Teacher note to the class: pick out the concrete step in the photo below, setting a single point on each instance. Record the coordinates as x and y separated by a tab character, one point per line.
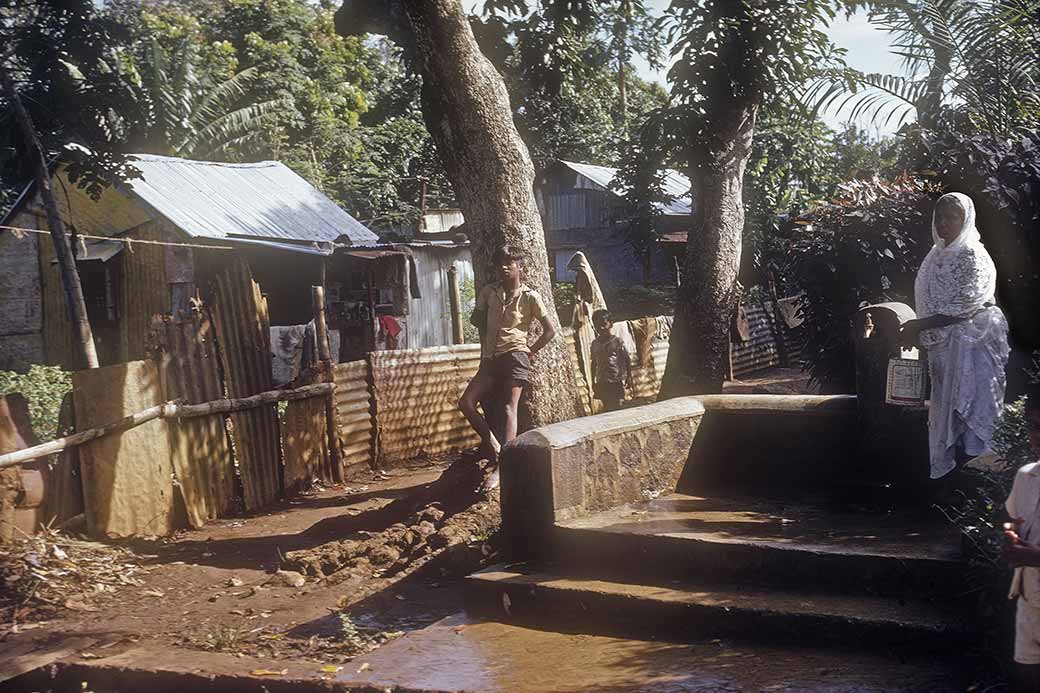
586	605
766	542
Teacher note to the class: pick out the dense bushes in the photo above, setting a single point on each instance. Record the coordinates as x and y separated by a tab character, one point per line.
864	247
43	387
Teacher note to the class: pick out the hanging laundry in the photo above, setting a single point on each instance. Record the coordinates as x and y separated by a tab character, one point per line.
389	329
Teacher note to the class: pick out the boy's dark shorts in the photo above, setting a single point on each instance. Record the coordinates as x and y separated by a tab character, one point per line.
610	392
512	365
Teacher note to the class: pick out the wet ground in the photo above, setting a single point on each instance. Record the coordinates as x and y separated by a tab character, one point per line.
456	655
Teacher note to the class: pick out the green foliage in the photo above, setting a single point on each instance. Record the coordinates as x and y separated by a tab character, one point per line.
193	115
978	58
735	60
468	296
563	297
563	63
865	247
1010	440
640	183
733	56
43	387
64	60
795	165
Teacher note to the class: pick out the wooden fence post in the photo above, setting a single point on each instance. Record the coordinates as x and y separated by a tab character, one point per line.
455	302
321	332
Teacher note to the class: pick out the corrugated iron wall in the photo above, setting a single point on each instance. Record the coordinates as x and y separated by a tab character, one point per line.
244	333
760	352
354	409
416	391
143	291
429	322
646	382
199	449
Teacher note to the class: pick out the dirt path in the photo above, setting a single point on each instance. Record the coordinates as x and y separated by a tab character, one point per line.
350	557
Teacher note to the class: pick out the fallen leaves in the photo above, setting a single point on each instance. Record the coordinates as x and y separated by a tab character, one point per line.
79	605
41	574
269	672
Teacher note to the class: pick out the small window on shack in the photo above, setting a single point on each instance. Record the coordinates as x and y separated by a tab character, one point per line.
99	294
98	277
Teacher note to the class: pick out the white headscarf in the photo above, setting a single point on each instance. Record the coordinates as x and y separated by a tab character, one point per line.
956	278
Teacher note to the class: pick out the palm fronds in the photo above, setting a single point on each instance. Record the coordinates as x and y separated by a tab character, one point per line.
195	116
980	58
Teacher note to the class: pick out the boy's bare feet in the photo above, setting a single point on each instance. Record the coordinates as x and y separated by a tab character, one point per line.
491	482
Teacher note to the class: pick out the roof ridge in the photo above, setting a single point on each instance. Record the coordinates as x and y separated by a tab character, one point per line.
229	164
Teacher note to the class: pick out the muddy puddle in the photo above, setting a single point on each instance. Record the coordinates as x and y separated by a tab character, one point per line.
457	654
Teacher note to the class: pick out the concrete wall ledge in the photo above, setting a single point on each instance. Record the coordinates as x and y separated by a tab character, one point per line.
806	404
568	433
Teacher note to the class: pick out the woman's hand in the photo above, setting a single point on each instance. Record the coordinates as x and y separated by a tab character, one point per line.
910	332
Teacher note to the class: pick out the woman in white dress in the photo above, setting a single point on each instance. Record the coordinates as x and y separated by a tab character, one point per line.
964	334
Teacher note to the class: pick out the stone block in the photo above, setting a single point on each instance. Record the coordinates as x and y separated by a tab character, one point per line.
595	463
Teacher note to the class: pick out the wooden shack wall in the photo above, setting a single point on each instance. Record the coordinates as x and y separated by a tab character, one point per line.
21	312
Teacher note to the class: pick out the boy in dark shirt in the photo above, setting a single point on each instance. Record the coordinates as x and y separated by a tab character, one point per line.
611	363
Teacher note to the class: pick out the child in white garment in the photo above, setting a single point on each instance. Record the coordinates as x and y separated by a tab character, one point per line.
1023	552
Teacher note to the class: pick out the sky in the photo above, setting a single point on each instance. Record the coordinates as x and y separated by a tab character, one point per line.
867	50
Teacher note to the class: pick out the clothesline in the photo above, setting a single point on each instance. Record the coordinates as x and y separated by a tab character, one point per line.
18	231
130	242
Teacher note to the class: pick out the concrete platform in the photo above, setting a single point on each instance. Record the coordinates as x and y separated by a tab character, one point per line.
767	541
684	612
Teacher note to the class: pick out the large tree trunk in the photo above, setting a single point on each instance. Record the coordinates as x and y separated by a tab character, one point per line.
698	356
466	108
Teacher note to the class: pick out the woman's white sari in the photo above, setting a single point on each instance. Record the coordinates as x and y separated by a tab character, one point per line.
966	360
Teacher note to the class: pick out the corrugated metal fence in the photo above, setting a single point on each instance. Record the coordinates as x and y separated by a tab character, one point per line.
354	409
401	404
415	393
761	351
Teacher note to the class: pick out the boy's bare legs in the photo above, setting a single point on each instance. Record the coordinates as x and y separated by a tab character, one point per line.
512	406
476	390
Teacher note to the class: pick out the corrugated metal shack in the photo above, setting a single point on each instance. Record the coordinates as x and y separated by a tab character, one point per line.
581	212
291	234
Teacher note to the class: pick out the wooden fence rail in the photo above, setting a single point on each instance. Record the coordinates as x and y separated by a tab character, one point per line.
168	410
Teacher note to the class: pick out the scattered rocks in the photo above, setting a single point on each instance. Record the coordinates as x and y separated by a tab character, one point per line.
288	578
450	512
